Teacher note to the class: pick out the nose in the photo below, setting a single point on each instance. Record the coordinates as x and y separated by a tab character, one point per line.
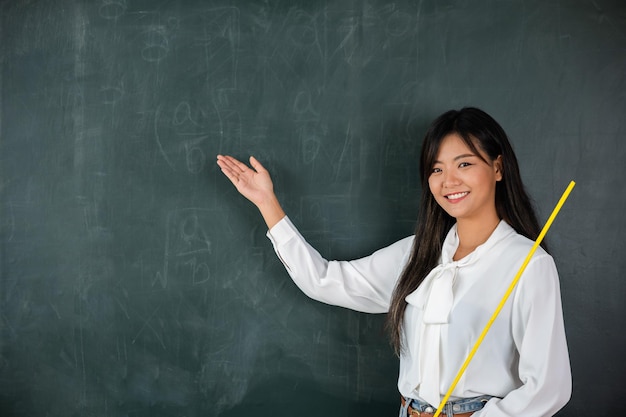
450	179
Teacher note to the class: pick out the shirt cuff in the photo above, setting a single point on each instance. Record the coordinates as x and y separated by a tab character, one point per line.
282	232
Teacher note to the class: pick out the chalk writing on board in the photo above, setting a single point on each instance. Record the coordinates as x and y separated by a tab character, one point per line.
147	326
156	44
8	223
310	145
303	107
221	45
303	31
111	94
321	210
112	9
181	132
187	246
232	127
347	29
398	23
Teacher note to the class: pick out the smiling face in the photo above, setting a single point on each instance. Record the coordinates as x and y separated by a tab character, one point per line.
464	183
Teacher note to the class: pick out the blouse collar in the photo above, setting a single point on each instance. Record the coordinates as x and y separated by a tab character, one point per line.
435	293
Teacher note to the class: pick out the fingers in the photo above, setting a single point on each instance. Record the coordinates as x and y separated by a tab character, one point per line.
238	167
230	167
256	164
231	163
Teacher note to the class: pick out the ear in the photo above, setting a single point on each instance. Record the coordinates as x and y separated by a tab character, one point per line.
497	165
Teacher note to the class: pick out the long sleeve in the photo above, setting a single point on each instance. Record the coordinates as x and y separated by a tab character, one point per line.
523	362
539	335
364	284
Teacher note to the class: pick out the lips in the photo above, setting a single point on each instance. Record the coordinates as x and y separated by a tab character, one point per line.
457	196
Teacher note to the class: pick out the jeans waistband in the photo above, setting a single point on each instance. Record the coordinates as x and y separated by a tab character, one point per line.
464	405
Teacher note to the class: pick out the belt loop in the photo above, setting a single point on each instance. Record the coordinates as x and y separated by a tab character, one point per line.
446	411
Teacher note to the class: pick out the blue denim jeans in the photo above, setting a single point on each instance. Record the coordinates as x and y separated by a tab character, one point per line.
465	405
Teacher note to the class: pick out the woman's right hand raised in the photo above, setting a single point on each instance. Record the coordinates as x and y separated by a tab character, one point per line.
255	184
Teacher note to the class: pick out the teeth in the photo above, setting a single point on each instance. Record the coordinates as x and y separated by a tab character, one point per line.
455	196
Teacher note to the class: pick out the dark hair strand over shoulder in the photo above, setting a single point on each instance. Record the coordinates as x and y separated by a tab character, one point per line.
513	204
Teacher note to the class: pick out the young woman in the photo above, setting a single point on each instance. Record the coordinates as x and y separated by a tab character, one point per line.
475	227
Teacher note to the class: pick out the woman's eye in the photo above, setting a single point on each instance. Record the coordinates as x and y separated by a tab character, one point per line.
436	170
464	164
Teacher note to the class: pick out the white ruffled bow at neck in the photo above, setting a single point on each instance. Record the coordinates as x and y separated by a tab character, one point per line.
436	297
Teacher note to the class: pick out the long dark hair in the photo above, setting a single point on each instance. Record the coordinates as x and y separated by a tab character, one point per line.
513	205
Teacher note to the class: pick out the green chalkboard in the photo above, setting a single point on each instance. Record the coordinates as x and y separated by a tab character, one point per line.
135	281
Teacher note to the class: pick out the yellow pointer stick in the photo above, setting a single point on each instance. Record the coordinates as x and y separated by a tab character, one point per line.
506	295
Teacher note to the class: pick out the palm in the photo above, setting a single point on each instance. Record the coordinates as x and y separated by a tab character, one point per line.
253	183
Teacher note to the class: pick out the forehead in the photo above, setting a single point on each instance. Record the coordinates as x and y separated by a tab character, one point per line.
453	145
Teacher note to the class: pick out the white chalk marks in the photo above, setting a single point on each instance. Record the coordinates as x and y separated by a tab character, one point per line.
188	247
112	9
182	132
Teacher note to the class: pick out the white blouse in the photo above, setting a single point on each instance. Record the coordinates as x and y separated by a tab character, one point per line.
523	359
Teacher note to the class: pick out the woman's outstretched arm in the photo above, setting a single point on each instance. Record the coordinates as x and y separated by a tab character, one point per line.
255	184
364	284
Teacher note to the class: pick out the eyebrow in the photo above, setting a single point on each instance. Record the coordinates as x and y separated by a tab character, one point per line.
456	158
